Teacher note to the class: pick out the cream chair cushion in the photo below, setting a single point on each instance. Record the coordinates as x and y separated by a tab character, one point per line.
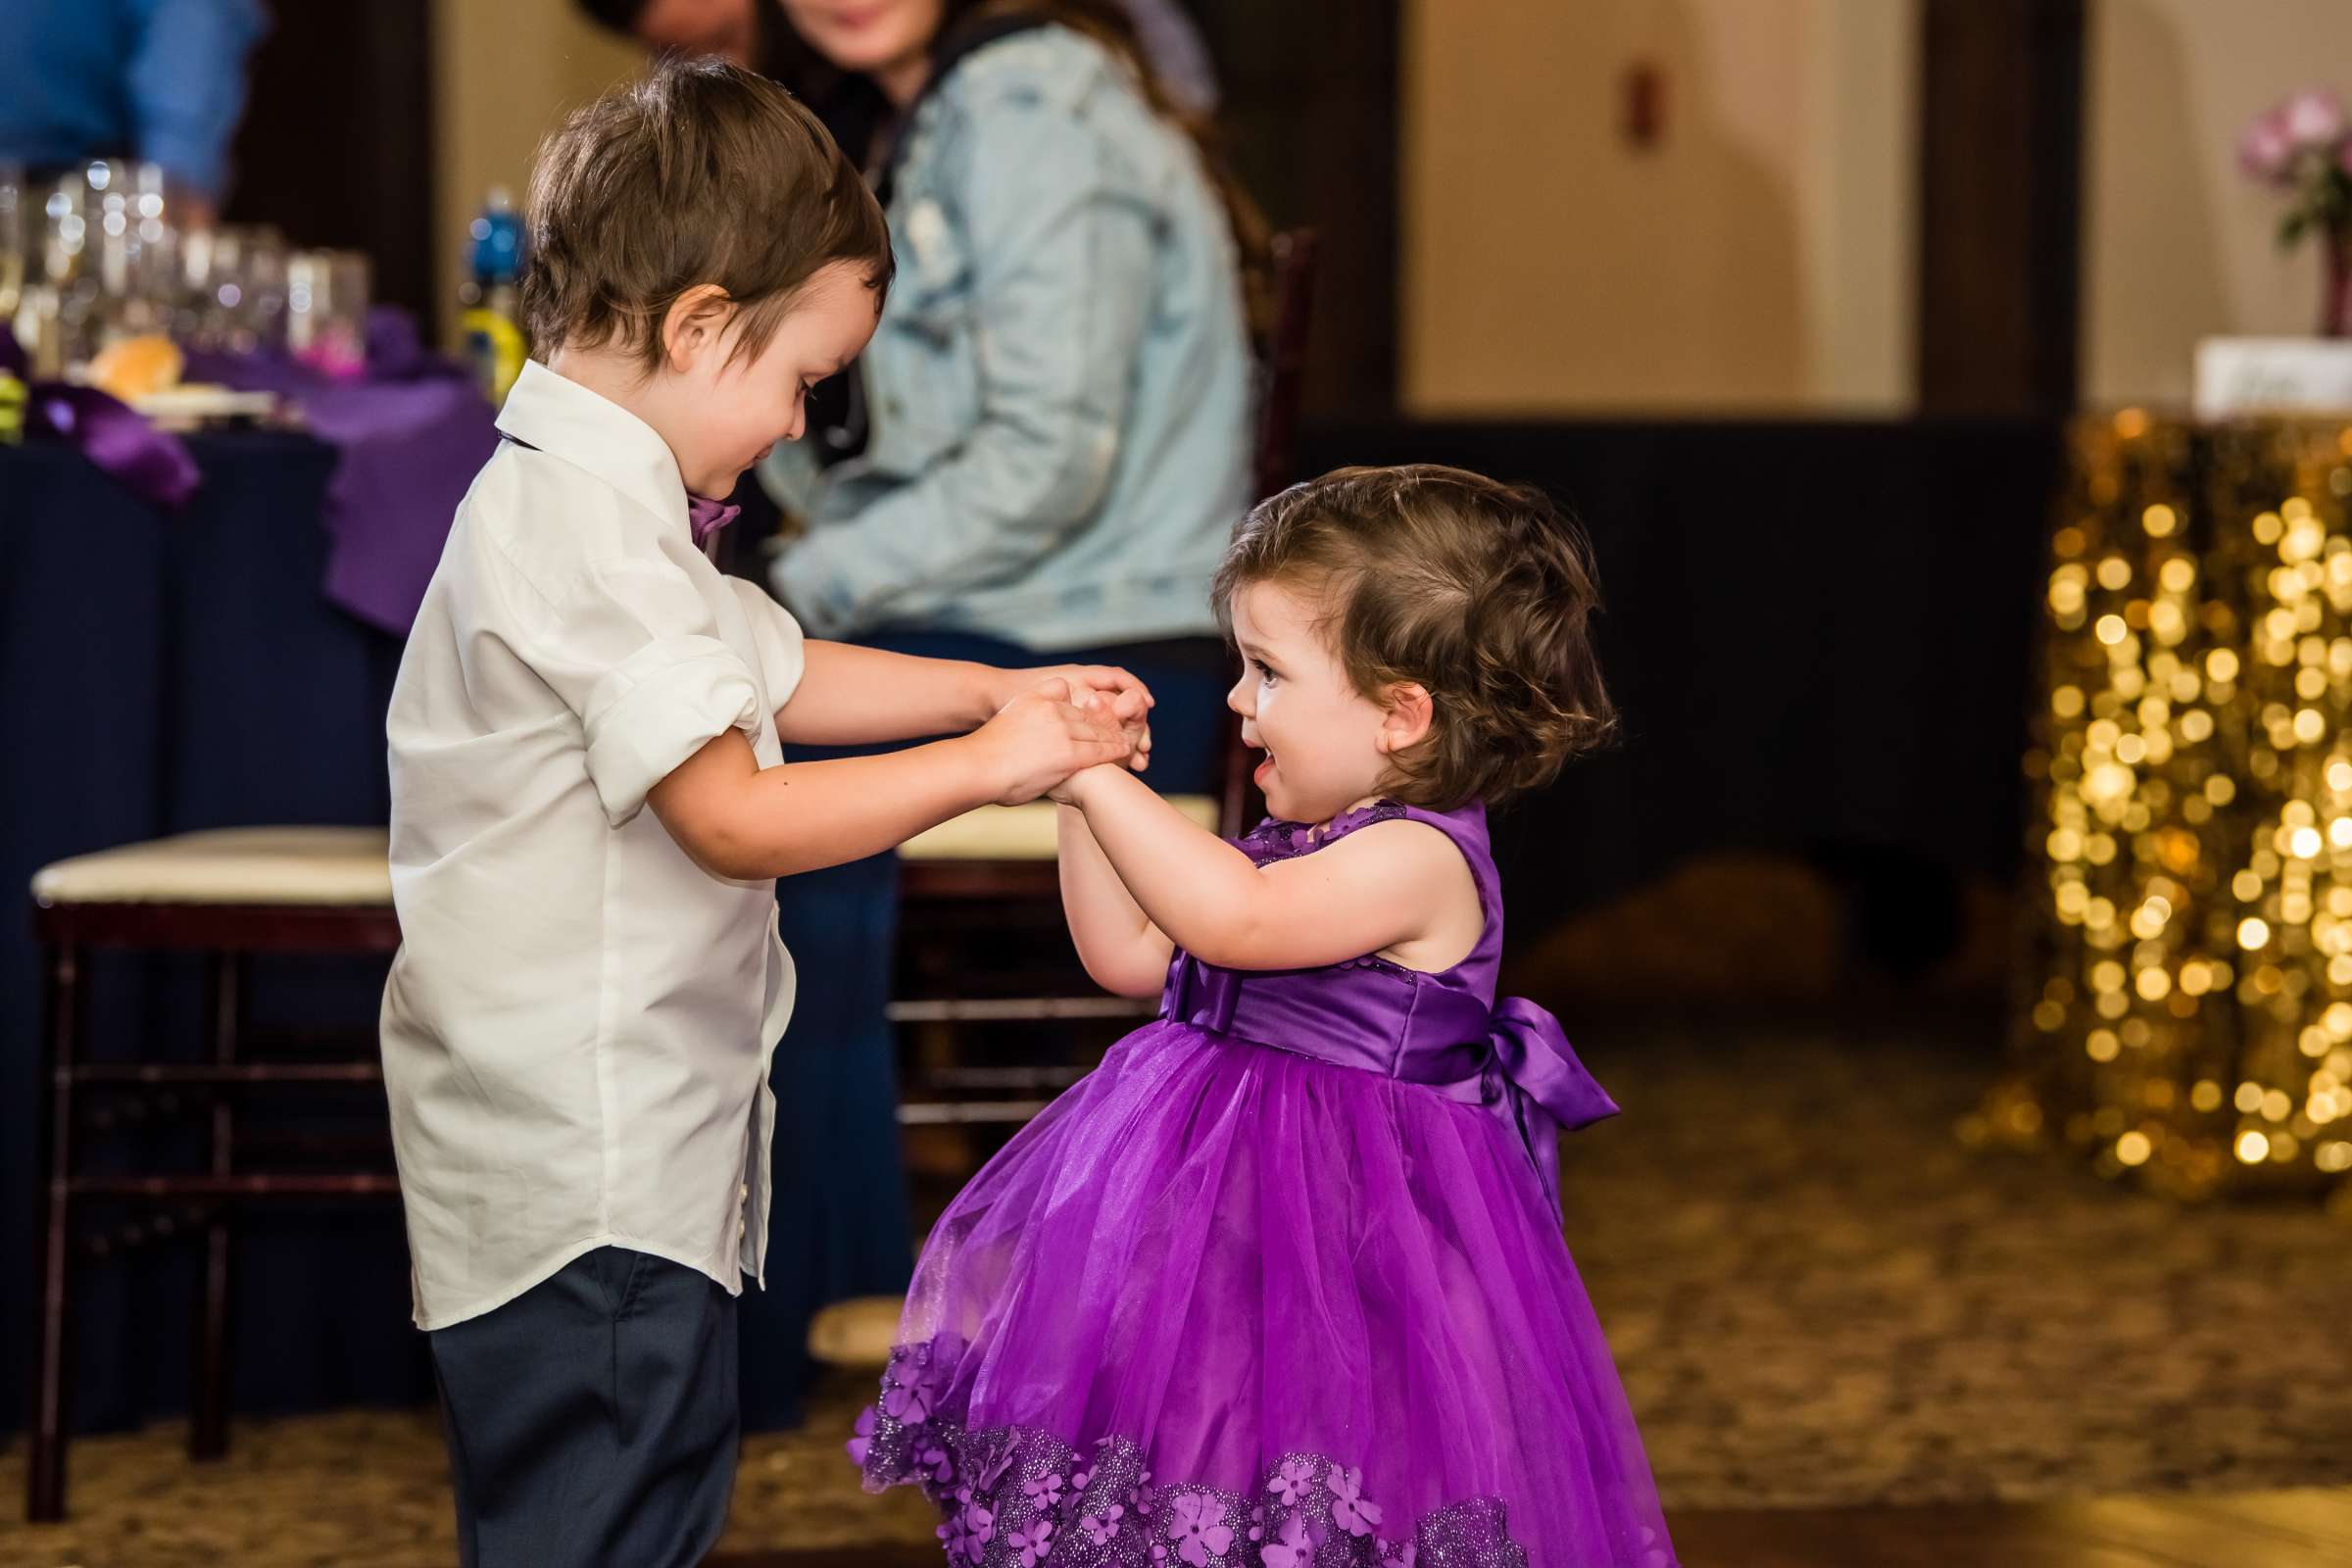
1019	832
342	866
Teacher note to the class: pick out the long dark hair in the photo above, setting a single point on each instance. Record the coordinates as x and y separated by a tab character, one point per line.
862	120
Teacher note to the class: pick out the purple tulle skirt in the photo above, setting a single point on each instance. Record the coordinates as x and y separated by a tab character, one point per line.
1225	1305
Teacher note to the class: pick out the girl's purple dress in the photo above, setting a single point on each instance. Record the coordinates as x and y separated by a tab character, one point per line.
1280	1284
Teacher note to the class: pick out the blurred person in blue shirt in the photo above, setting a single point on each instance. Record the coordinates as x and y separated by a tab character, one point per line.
160	81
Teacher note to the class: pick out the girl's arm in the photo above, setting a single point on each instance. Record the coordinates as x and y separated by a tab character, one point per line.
1124	951
852	696
1378	888
745	822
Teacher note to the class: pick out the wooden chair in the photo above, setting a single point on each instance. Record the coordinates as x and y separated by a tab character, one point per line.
996	867
997	863
229	895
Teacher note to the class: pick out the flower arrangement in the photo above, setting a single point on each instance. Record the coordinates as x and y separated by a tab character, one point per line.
2303	148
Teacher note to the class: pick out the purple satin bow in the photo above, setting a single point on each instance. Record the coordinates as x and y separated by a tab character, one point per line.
151	463
706	516
1538	1089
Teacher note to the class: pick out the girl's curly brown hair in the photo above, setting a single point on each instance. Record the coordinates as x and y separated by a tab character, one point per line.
1481	592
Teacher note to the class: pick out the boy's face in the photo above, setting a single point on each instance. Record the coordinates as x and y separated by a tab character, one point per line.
740	409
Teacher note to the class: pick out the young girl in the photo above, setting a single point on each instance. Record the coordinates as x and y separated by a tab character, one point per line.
1281	1283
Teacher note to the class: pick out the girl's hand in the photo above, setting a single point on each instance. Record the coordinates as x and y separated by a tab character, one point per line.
1042	737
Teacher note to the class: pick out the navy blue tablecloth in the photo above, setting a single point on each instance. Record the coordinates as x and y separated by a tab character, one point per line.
160	673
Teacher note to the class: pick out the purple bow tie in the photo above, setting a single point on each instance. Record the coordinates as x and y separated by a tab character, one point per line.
706	516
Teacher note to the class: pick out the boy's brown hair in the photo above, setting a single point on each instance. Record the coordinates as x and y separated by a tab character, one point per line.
696	173
1481	592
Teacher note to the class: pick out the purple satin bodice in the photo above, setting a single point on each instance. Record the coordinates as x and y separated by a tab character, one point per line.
1444	1031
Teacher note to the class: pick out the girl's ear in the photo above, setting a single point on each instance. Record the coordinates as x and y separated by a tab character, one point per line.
1405	717
694	323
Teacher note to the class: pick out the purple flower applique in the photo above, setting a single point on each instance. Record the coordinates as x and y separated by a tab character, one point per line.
1292	1548
935	1459
908	1403
1100	1527
979	1524
1196	1524
1348	1509
1293	1481
1397	1554
1032	1542
1043	1491
1143	1498
863	1444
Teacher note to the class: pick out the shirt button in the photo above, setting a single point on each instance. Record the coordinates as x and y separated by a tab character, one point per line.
745	1192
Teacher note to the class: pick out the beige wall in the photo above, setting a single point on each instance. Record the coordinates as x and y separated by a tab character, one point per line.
506	71
2177	243
1759	258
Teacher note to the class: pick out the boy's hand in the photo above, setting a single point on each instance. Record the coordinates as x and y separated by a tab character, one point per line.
1129	700
1042	737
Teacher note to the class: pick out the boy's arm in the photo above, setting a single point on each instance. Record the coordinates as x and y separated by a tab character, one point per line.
1372	890
853	696
739	820
1124	951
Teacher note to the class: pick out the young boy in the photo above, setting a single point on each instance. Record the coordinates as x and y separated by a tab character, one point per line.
590	802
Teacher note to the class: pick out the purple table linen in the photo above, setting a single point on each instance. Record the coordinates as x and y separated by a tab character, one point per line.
411	435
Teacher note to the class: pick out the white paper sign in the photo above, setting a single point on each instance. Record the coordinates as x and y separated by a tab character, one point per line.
2239	376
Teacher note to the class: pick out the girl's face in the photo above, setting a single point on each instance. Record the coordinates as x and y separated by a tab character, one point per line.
1327	745
887	40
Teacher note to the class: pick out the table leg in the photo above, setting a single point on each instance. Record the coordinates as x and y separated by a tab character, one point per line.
64	991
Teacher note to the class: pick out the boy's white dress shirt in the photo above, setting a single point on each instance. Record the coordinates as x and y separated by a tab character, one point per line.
577	1028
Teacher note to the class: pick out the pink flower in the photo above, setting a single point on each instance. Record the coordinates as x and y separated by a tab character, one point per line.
1197	1525
2264	150
1032	1542
863	1442
1293	1481
2314	117
1348	1509
1100	1527
1292	1550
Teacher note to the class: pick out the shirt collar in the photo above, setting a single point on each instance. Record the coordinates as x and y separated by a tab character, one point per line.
593	433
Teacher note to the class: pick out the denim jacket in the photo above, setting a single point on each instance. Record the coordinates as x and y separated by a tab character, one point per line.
1059	387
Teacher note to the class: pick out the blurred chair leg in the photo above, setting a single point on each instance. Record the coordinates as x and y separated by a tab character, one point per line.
208	1427
64	994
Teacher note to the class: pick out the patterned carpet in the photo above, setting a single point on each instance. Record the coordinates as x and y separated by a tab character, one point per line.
1817	1295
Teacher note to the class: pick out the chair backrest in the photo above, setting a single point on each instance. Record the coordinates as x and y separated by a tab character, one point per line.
1281	382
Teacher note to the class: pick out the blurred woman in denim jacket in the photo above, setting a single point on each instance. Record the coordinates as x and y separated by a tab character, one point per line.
1048	443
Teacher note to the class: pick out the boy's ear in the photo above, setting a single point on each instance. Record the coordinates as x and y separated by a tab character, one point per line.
1406	722
694	323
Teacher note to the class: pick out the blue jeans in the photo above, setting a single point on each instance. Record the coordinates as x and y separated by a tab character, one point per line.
840	1225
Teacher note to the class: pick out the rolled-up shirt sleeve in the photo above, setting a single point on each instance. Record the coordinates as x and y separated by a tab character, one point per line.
782	657
632	649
